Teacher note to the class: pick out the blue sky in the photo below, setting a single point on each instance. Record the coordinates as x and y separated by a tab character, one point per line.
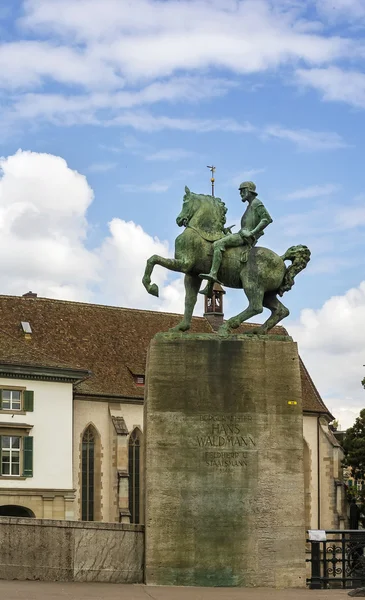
110	108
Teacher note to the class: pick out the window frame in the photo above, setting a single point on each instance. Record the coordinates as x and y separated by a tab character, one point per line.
139	380
12	450
135	490
88	448
26	400
10	400
26	450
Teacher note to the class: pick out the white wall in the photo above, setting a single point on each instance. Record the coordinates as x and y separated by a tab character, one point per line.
52	433
133	415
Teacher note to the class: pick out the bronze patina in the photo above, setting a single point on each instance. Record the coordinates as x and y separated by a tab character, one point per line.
208	250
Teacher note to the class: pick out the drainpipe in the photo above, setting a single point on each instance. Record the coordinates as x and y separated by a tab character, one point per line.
318	477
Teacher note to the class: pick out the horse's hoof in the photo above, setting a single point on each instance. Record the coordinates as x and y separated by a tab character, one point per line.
153	290
254	331
180	328
223	331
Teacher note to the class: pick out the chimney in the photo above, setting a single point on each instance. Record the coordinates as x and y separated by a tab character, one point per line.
213	307
30	295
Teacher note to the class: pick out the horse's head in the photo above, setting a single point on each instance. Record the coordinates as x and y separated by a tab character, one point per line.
205	213
187	210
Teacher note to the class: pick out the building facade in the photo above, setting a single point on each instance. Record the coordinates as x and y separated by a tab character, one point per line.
86	422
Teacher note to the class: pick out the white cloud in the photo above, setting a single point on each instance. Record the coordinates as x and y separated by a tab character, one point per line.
43	236
42	220
325	218
145	121
331	342
127	54
148	38
173	297
335	84
313	191
306	139
59	108
116	256
28	64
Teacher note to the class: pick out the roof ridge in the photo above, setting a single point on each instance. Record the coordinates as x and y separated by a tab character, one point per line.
108	306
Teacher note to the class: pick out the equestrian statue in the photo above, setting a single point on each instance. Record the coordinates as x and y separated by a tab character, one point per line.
206	249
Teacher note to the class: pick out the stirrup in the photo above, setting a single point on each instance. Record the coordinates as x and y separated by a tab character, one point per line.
208	290
210	278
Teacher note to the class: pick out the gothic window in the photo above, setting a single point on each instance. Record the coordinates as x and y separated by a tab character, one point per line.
88	475
134	470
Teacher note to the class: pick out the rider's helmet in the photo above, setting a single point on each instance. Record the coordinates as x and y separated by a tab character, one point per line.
249	185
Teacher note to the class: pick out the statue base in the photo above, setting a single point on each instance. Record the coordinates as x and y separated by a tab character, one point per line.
224	483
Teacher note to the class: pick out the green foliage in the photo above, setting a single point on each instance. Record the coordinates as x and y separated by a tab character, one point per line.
354	448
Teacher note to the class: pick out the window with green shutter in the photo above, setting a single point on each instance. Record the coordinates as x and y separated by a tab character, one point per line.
28	456
28	401
15	400
16	451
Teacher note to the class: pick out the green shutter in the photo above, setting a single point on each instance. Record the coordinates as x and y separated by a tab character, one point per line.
28	456
1	399
28	401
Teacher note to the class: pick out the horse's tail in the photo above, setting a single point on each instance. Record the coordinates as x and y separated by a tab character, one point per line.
300	257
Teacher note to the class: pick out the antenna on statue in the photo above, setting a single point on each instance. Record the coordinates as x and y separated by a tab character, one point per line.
212	179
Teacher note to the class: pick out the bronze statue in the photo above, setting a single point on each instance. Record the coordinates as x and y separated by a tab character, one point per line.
253	223
237	261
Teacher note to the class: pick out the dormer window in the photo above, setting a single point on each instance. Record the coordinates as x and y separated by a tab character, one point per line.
139	379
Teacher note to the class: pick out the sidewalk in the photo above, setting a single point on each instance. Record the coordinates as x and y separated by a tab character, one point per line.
36	590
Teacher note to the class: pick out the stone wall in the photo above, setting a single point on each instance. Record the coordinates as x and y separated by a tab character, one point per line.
39	549
224	482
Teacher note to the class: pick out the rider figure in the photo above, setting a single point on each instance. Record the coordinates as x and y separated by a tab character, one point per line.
253	223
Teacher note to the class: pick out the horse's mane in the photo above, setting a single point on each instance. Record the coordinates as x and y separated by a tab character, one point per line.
217	202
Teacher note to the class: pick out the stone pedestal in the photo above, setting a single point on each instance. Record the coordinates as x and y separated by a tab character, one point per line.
224	462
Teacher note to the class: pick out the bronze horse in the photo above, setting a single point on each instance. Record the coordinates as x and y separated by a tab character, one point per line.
263	275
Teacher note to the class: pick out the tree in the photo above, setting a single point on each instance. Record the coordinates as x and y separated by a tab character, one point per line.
354	448
354	461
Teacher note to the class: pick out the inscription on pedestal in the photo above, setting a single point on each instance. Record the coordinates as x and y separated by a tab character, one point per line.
226	432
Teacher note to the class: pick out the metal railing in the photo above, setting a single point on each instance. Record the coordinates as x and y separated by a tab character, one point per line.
338	561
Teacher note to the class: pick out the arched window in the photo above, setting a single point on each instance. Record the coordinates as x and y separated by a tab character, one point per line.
134	471
88	475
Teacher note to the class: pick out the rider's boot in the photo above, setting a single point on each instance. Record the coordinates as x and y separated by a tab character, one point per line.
213	274
208	290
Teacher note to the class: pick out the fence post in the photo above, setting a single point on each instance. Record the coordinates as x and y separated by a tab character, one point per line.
315	583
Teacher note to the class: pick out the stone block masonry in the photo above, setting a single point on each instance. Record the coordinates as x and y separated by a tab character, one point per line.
38	549
224	462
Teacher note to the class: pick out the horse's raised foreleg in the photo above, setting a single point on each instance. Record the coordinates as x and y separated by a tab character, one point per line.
192	285
173	264
278	313
255	297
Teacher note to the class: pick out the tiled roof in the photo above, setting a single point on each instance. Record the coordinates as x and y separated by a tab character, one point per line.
110	342
21	352
312	401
